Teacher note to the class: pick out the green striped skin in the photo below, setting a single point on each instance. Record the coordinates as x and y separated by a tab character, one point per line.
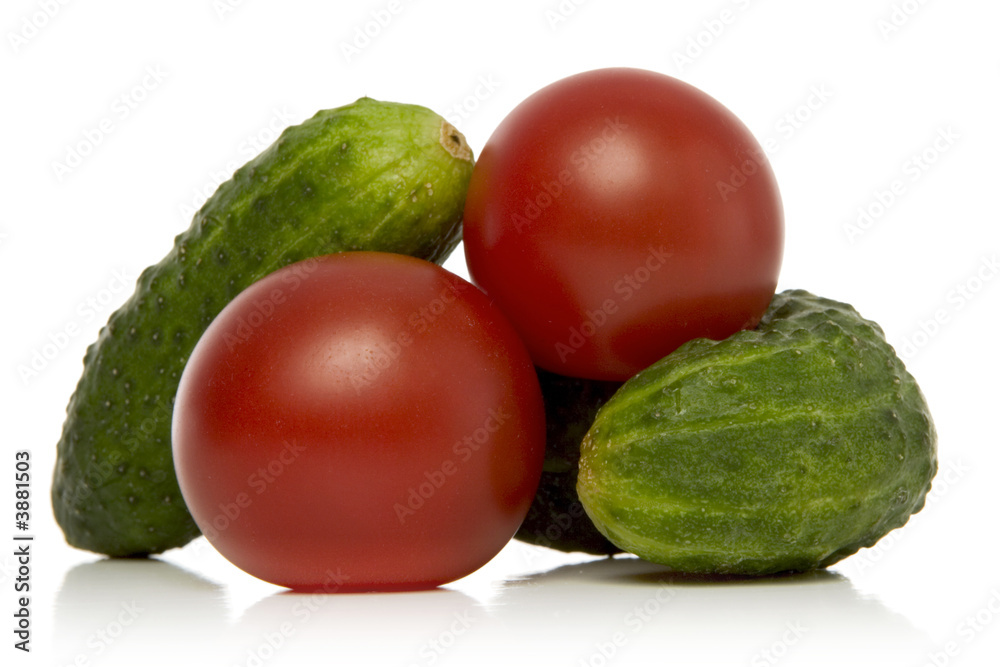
784	448
367	176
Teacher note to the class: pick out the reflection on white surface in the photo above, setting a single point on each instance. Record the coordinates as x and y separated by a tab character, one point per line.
118	611
630	608
620	611
396	628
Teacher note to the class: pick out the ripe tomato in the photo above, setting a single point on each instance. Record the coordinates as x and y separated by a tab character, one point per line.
618	213
360	421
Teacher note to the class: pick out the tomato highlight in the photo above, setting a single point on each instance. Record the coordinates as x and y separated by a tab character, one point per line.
618	213
363	413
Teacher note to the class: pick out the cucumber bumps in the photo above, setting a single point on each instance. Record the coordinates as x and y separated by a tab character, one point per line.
785	448
367	176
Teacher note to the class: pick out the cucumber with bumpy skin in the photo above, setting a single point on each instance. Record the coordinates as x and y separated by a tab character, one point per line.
367	176
784	448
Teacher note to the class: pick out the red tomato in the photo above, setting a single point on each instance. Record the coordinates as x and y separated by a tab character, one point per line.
360	421
618	213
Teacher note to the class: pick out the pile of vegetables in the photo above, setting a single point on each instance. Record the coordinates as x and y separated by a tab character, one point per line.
301	381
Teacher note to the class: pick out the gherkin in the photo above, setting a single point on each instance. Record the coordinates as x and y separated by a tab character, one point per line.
784	448
556	518
370	175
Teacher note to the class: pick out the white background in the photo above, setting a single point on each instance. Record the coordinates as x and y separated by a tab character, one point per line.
885	79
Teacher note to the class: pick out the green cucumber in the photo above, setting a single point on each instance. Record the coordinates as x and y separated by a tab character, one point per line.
367	176
784	448
556	518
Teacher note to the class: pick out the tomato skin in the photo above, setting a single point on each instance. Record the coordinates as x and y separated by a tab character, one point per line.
360	421
611	217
